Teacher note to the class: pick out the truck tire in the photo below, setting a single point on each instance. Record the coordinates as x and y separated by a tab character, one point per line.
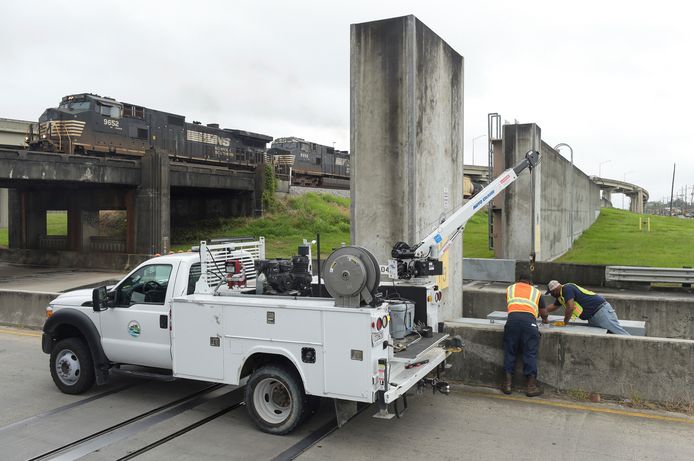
72	367
276	400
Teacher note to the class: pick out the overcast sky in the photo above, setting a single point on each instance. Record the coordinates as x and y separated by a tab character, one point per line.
611	78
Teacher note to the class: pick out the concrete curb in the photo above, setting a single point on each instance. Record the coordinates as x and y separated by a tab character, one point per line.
25	309
656	369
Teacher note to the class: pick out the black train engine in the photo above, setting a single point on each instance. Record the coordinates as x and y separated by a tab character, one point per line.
313	164
89	123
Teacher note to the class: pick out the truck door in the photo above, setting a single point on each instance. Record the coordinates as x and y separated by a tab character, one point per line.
136	329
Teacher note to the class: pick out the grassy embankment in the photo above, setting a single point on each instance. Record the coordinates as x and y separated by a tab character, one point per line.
614	239
284	228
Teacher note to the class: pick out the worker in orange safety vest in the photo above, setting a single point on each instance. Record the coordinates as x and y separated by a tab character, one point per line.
524	304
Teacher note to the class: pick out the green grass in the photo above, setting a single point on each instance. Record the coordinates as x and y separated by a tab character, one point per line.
475	241
284	228
56	224
615	239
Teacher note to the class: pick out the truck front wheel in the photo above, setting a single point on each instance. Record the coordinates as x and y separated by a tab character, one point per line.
275	399
72	368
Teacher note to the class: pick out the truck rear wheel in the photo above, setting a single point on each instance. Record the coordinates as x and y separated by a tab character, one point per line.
275	399
72	368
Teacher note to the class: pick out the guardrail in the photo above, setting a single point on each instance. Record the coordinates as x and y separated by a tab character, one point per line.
649	274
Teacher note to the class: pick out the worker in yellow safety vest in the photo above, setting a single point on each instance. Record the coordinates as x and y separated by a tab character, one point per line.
524	304
584	304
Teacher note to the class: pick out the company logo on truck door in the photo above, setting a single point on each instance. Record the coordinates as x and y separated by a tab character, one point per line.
134	328
207	138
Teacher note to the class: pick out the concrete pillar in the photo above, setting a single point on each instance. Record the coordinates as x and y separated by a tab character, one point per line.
636	202
4	203
152	205
15	226
89	228
607	195
406	141
74	226
521	229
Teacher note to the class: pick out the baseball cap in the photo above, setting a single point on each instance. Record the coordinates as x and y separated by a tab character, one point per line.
551	286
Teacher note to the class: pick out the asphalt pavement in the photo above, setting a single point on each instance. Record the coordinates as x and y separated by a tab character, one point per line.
188	420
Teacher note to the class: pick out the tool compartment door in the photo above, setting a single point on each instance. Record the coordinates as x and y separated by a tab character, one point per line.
196	341
349	366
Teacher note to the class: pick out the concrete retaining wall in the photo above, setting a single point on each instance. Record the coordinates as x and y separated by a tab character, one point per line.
24	308
665	316
628	367
55	258
566	200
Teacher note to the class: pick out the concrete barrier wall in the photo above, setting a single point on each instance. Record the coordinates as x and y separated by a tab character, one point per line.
56	258
24	308
668	316
628	367
566	200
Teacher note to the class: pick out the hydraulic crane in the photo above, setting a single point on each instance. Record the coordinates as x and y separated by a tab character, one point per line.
422	260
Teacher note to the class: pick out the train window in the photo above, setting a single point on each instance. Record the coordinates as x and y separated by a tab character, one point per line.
317	160
142	133
178	121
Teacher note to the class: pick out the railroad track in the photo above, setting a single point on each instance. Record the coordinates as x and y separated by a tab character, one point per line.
98	440
233	398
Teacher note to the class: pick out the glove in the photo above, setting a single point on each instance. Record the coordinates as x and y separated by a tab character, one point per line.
559	324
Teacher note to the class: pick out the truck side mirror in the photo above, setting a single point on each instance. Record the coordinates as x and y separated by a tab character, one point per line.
99	299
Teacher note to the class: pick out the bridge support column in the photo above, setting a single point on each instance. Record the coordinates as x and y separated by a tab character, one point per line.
152	205
27	219
4	203
636	199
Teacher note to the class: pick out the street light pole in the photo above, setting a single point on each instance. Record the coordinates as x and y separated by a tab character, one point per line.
571	218
473	146
600	167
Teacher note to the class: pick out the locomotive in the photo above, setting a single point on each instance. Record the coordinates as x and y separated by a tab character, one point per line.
312	164
89	123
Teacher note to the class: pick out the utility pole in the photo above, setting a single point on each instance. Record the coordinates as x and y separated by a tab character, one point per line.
672	189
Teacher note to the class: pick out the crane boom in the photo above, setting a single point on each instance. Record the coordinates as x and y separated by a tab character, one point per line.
422	259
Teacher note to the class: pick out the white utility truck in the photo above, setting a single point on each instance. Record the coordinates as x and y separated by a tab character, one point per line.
188	315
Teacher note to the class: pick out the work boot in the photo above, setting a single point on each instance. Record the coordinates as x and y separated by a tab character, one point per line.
532	389
506	388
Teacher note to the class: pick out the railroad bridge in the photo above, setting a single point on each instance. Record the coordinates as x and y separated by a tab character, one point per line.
155	192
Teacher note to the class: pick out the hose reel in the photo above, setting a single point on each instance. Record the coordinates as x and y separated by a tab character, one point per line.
352	276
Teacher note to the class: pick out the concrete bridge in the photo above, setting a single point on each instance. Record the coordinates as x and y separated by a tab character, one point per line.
155	192
637	195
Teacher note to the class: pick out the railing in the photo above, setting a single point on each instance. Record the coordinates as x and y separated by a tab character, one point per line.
107	244
649	274
53	242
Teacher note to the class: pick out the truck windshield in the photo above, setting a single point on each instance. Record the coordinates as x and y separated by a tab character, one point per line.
146	285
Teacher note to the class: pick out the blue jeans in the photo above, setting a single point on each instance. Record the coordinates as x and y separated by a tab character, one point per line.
521	333
607	318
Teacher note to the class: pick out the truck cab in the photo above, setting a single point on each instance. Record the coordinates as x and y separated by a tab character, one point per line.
85	343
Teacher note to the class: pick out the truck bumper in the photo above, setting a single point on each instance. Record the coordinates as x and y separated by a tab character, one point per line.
402	379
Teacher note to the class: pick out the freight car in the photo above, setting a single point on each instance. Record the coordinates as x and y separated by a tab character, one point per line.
314	164
89	123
